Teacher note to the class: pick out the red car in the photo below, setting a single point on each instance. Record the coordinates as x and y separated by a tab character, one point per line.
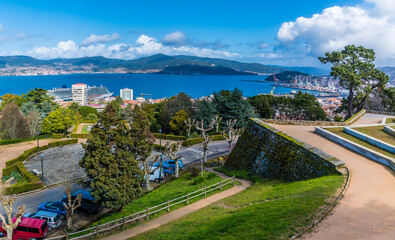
29	228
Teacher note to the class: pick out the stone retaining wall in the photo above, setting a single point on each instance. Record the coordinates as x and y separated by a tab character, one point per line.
271	153
389	130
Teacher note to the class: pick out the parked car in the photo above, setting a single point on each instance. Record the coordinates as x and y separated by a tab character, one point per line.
172	163
88	202
29	228
56	207
53	219
155	174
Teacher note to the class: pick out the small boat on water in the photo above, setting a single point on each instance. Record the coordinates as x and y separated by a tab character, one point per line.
293	91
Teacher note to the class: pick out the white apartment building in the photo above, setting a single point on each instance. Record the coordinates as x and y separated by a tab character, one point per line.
80	93
127	94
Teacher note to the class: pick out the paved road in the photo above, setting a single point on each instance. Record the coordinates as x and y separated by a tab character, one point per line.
367	210
190	154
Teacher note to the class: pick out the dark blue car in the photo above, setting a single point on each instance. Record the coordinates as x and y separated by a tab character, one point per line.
88	202
56	207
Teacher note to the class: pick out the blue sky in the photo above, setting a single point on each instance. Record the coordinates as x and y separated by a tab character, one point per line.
254	31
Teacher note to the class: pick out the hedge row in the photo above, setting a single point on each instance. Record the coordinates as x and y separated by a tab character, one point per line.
193	141
88	121
80	135
23	187
169	136
57	135
19	140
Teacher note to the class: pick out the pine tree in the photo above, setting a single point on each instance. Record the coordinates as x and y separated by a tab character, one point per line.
110	164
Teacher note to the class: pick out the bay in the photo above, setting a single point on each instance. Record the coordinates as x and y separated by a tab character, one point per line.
158	85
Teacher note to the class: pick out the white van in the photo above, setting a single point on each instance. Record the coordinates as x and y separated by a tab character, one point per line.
154	175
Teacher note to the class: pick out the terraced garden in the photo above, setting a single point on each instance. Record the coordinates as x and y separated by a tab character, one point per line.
378	133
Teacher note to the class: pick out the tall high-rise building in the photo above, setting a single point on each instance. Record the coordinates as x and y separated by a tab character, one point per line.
127	94
80	93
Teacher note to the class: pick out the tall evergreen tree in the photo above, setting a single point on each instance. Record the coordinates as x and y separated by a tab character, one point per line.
109	162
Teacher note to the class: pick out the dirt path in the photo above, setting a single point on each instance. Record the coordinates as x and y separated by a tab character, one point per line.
367	210
181	212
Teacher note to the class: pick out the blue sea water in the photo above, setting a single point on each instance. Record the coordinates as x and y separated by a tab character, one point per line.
158	85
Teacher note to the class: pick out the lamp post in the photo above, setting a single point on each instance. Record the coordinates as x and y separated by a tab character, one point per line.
38	144
42	166
160	150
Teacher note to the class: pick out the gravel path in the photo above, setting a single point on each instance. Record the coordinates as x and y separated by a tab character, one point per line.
367	210
181	212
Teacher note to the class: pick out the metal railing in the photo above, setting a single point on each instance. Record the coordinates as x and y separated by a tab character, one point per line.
144	215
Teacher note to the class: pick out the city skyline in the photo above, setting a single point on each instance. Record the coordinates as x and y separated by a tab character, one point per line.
286	33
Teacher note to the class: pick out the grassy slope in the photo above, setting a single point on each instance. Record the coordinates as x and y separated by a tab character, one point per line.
168	191
377	132
339	131
85	130
269	209
390	120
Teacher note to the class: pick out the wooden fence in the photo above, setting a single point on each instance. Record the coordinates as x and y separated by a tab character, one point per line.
144	215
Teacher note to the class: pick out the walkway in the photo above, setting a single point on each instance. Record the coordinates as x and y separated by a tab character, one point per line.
181	212
367	210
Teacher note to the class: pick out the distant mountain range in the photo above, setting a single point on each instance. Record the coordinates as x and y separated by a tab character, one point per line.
179	64
285	77
189	69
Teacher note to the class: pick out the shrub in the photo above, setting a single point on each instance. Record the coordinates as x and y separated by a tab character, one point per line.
198	180
194	171
80	135
19	140
169	136
23	187
57	135
211	175
88	121
193	141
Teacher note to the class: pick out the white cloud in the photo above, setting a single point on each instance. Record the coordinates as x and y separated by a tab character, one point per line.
371	24
144	46
175	39
93	39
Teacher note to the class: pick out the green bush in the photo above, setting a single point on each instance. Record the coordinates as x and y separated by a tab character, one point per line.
26	174
23	187
81	135
198	180
19	140
169	136
57	135
211	175
193	141
9	170
194	171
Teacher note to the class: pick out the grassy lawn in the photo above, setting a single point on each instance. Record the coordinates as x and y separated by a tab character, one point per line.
173	189
390	120
377	132
269	209
85	130
339	131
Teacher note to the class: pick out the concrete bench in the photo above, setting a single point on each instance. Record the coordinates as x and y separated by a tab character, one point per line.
36	172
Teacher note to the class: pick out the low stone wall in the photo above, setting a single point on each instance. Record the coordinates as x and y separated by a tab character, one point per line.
381	112
271	153
389	130
376	142
378	157
316	123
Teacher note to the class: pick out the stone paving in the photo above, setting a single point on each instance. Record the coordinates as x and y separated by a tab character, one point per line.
60	163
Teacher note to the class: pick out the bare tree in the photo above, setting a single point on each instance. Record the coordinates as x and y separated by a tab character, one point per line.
206	141
216	121
9	225
147	169
13	123
200	127
33	122
232	133
171	150
71	205
190	123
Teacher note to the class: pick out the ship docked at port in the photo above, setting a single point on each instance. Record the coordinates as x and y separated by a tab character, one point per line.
93	92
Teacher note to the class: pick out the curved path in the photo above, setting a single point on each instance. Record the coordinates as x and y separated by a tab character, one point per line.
367	210
181	212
